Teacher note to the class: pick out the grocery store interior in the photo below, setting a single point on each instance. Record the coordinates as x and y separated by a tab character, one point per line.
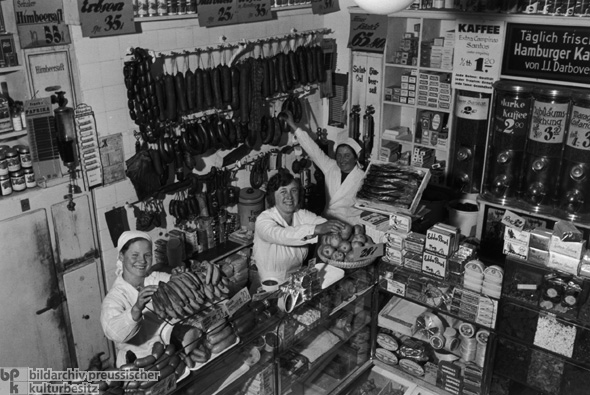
274	197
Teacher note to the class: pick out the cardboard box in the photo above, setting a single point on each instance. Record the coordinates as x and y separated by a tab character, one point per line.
573	249
390	151
563	263
434	264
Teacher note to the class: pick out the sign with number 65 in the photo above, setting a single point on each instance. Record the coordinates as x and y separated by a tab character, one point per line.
41	23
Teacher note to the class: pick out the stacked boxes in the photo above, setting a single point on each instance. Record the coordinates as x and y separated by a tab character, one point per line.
399	229
438	52
434	90
406	92
423	157
442	241
408	50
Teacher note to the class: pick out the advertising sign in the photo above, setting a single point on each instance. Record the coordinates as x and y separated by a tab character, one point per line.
367	32
555	53
100	18
477	44
41	23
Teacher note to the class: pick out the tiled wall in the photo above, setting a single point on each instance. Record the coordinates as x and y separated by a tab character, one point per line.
99	62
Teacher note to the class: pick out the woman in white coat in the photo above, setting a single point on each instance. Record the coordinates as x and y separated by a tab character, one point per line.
343	175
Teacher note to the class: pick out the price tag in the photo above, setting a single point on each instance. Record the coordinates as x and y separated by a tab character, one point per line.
475	63
218	12
368	252
41	23
322	7
236	302
106	17
254	11
212	318
368	32
396	287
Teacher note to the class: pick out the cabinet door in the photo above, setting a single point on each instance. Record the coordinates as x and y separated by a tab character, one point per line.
31	335
74	231
84	302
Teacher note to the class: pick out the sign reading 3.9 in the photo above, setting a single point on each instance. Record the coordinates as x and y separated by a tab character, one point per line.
100	18
40	23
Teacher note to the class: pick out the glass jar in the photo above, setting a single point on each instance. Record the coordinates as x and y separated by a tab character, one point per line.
30	180
25	156
17	179
5	185
3	163
13	159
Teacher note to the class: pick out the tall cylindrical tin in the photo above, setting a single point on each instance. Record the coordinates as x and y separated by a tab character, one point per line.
506	144
574	186
544	147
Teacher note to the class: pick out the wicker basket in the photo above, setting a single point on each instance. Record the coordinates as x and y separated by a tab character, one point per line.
351	265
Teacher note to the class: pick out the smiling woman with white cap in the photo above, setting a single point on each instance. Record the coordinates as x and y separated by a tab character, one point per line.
124	316
343	175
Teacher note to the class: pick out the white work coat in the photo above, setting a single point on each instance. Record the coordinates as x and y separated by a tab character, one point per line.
118	325
340	196
279	248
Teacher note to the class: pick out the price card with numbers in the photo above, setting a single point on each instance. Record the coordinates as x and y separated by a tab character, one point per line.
254	10
100	18
322	7
476	64
367	32
218	12
41	23
368	252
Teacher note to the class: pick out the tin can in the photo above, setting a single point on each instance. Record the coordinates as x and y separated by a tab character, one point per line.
25	156
30	180
181	7
142	8
529	6
152	7
191	7
13	159
3	163
172	7
17	180
582	8
5	185
162	8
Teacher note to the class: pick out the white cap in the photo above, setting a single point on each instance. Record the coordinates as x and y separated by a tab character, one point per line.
352	144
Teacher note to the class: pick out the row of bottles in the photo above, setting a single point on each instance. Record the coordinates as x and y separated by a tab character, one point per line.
539	149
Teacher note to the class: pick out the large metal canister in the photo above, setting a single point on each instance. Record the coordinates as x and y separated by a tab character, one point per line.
544	147
470	130
510	120
573	198
250	205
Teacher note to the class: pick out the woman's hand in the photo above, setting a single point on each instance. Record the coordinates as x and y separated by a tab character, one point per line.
330	226
144	296
288	117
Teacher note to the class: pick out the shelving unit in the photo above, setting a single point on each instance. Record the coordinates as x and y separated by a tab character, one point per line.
414	91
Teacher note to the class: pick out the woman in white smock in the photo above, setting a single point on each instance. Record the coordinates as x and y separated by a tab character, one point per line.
124	317
284	231
343	176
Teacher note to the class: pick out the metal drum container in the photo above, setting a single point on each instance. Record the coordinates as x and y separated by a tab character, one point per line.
544	147
573	197
510	120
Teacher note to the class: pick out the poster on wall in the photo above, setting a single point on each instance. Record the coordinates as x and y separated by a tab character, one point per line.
99	18
554	53
41	23
368	32
50	72
476	64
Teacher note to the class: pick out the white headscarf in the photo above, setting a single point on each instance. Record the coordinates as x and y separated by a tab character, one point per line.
352	143
123	239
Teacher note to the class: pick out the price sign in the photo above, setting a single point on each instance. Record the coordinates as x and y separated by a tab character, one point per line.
322	7
41	23
475	63
236	302
218	12
367	32
513	220
368	252
254	11
100	18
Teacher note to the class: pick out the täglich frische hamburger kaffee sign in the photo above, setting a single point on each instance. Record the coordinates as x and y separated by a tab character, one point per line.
40	23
